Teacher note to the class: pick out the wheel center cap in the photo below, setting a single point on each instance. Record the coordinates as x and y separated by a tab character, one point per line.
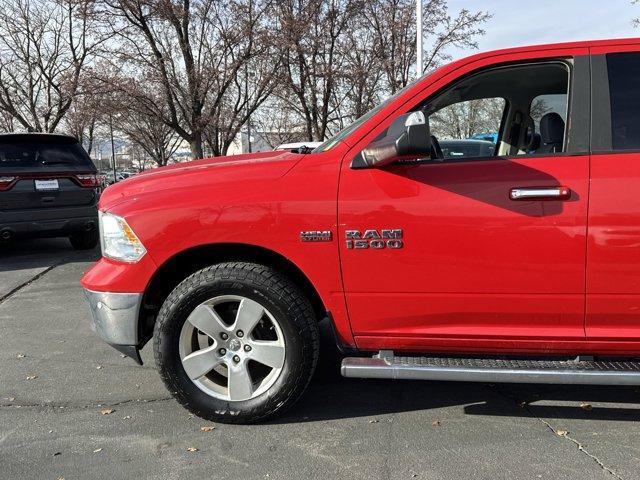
234	345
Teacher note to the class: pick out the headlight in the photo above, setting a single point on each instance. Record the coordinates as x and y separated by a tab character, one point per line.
118	241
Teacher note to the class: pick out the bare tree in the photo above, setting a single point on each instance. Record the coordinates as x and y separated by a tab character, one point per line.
155	139
312	37
193	52
45	47
278	122
363	71
393	22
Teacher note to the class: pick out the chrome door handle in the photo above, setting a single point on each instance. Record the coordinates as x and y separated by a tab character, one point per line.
540	193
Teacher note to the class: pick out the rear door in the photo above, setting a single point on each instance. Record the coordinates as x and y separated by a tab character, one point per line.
44	171
613	261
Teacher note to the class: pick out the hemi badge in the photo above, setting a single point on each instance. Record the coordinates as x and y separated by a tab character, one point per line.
316	236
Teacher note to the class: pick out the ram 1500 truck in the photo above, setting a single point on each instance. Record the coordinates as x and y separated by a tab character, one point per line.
521	264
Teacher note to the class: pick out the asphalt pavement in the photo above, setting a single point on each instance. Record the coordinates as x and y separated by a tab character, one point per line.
72	407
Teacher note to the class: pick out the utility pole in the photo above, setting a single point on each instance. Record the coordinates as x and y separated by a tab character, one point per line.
246	90
246	99
418	38
113	149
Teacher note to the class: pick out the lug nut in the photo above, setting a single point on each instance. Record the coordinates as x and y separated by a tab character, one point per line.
224	336
223	351
247	348
236	358
240	333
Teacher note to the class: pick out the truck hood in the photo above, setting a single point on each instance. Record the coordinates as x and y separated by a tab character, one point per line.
208	171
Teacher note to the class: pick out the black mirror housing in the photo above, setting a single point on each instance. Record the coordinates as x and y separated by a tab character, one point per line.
414	140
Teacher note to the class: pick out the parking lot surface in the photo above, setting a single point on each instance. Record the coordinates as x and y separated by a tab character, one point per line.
72	407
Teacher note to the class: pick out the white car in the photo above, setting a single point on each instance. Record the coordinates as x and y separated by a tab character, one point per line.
296	145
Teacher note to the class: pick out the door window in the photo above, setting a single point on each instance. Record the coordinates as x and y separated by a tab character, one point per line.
468	129
501	112
624	90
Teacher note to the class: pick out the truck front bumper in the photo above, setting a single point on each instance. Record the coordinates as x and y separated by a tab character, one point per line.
115	320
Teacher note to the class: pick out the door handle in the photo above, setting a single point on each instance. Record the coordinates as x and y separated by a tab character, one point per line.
540	193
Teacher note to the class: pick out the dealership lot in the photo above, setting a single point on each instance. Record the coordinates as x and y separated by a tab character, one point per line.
57	380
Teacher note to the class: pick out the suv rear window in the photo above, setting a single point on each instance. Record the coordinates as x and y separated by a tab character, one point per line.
41	151
624	88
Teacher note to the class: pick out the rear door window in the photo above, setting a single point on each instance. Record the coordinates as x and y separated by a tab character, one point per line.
624	90
41	153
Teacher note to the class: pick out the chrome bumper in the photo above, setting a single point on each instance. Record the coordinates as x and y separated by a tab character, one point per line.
115	319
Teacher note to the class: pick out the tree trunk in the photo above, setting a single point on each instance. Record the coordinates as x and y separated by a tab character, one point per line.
196	145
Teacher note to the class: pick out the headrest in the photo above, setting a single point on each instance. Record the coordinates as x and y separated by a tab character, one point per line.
552	128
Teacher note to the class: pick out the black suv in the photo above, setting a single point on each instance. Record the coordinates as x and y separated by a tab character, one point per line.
49	187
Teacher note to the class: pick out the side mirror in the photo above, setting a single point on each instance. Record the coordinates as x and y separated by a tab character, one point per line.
414	139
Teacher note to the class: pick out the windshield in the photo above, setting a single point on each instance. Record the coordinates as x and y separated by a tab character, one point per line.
342	134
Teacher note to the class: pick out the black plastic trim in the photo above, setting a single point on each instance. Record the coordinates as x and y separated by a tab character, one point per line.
579	111
130	351
600	106
342	347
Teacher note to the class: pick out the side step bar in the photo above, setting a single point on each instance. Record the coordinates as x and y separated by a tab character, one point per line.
577	372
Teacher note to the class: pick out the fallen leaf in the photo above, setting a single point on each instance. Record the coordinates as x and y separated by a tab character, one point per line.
586	406
207	428
20	355
97	450
436	423
192	449
106	411
562	433
31	377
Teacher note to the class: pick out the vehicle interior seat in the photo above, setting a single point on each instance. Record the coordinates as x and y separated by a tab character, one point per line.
551	133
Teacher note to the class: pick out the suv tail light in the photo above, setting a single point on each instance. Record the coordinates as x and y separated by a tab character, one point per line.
7	182
89	180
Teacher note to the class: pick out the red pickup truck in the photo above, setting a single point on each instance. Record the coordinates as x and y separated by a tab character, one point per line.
517	263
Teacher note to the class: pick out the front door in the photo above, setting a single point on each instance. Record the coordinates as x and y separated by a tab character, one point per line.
484	243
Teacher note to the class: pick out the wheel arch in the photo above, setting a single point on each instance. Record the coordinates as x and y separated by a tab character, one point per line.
186	262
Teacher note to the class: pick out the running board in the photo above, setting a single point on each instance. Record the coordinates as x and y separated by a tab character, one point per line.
579	371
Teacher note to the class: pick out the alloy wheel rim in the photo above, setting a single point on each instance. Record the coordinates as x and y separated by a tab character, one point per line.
232	348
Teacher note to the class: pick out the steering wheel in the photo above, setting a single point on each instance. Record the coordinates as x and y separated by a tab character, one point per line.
436	151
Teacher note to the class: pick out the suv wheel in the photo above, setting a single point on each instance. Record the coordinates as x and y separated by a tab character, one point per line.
84	240
236	343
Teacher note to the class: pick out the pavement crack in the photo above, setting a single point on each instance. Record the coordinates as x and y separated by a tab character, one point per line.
9	294
84	406
580	446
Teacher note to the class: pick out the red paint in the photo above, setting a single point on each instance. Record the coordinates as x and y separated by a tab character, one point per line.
478	272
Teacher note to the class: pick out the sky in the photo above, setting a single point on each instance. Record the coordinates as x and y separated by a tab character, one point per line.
550	21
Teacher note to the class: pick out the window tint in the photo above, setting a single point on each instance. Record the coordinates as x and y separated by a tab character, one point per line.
624	89
36	151
468	129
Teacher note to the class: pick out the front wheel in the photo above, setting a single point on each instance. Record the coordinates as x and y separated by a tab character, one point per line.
236	343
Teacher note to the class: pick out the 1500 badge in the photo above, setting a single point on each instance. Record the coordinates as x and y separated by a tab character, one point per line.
377	239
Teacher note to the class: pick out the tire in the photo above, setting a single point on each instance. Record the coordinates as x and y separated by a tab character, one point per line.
285	307
84	240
